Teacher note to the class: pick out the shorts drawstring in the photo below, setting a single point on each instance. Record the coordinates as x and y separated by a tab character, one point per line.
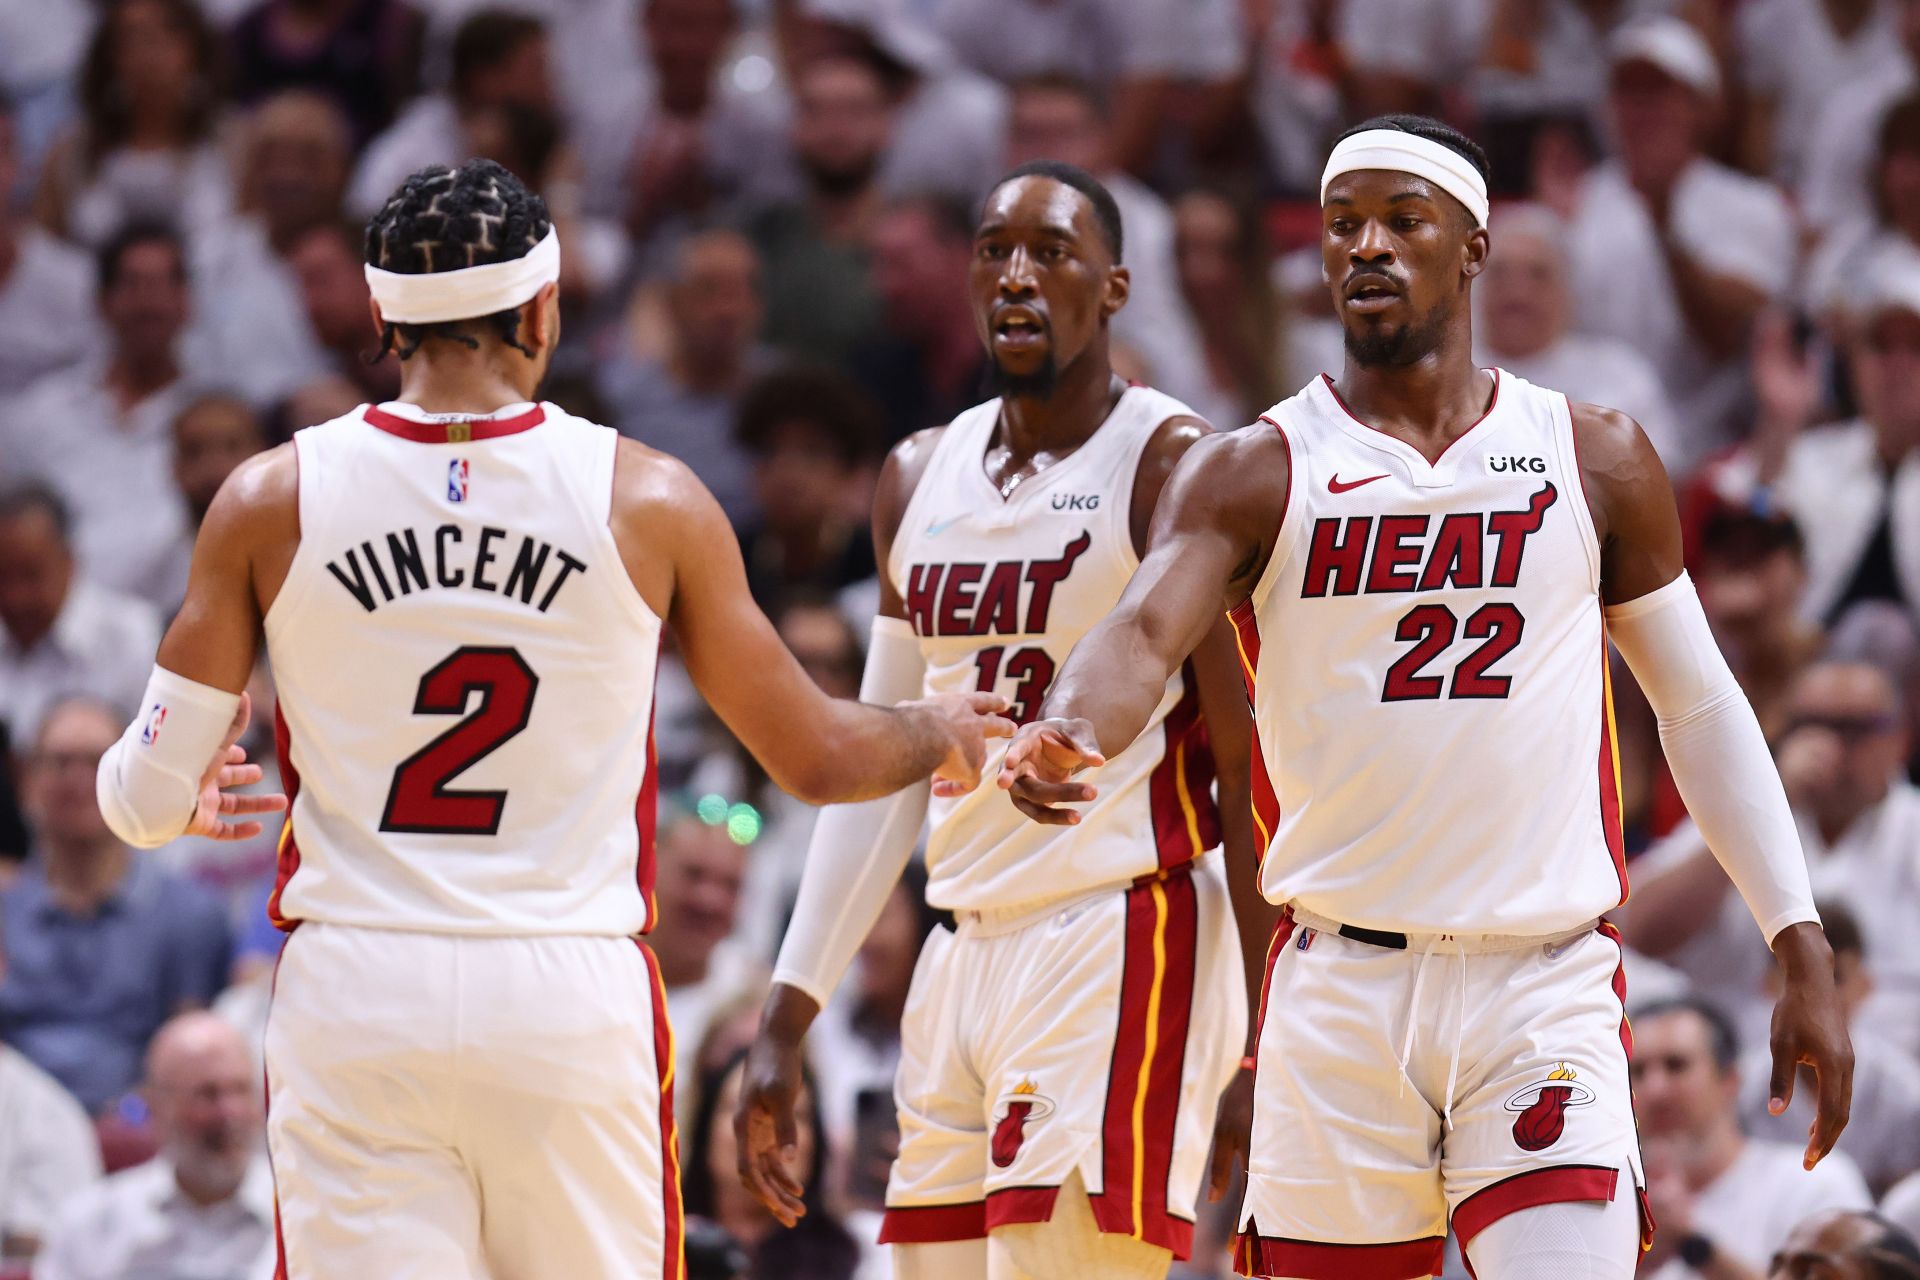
1459	1025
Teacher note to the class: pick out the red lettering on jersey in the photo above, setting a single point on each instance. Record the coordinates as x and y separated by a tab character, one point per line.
1455	558
999	612
923	585
1513	528
1338	552
1045	575
1393	558
957	599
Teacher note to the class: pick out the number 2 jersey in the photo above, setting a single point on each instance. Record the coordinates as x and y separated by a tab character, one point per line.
999	590
1427	665
465	674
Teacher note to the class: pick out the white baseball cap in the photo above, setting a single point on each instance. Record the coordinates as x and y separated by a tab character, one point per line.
1895	285
1673	45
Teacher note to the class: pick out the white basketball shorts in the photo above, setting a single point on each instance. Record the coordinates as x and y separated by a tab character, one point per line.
442	1107
1093	1036
1450	1082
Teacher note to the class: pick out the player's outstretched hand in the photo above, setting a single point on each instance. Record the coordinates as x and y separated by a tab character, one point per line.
970	719
1232	1134
1039	762
1810	1027
765	1137
229	768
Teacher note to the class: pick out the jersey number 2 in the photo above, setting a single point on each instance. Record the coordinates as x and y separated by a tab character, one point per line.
419	801
1430	629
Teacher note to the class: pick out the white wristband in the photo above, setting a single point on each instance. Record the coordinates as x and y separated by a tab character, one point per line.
149	780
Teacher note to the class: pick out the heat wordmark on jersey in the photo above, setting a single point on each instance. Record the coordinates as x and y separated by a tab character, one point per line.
975	599
1388	554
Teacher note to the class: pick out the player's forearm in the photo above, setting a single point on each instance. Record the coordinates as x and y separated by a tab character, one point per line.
1253	916
788	1014
865	752
1113	680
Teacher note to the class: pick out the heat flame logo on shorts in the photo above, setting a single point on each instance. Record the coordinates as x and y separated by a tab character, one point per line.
1543	1108
1010	1121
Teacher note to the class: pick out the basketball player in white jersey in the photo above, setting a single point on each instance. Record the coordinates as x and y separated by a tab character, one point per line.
463	593
1425	561
1065	1049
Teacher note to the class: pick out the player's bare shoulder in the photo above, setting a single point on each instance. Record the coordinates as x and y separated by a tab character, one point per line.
662	518
1631	500
900	475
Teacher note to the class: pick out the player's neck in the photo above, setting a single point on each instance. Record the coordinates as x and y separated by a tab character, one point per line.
1429	403
1081	400
459	381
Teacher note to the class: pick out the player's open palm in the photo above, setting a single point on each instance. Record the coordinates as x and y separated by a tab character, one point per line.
767	1142
968	720
229	768
1040	764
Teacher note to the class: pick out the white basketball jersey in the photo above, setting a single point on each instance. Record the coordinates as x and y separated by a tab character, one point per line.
1427	664
465	673
999	591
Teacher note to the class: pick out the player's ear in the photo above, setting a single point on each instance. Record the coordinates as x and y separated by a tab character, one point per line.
541	323
1478	246
379	321
1119	289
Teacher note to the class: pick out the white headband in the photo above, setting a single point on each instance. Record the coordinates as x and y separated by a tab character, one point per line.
429	297
1403	152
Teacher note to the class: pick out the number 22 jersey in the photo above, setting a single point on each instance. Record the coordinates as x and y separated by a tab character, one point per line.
465	674
1428	668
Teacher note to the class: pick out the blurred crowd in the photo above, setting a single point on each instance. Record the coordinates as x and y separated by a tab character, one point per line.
1707	214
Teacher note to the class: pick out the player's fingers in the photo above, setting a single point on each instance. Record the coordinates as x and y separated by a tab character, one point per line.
949	790
1042	814
252	804
1051	793
1780	1085
1836	1104
1220	1172
990	704
997	727
238	725
235	830
240	775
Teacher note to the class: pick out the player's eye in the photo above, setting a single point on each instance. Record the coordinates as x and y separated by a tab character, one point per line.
1406	222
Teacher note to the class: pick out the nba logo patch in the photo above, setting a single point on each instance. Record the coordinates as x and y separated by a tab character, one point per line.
1306	939
457	480
150	731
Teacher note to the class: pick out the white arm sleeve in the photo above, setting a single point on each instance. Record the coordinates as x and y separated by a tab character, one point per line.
149	780
1717	753
858	850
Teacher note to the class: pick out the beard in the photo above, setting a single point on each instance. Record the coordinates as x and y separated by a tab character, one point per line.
1397	348
1038	385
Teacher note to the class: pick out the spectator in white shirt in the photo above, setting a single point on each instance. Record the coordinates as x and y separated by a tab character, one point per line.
45	321
1835	179
1674	253
100	433
1797	55
1525	325
48	1151
59	632
1055	117
1886	1078
1724	1202
203	1208
214	433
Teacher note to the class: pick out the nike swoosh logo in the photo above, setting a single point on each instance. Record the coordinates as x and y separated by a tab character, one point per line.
1336	485
938	527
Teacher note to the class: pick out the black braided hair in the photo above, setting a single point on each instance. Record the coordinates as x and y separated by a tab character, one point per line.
444	219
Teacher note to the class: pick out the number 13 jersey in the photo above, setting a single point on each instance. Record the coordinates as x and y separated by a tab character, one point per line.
999	590
1427	664
465	674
